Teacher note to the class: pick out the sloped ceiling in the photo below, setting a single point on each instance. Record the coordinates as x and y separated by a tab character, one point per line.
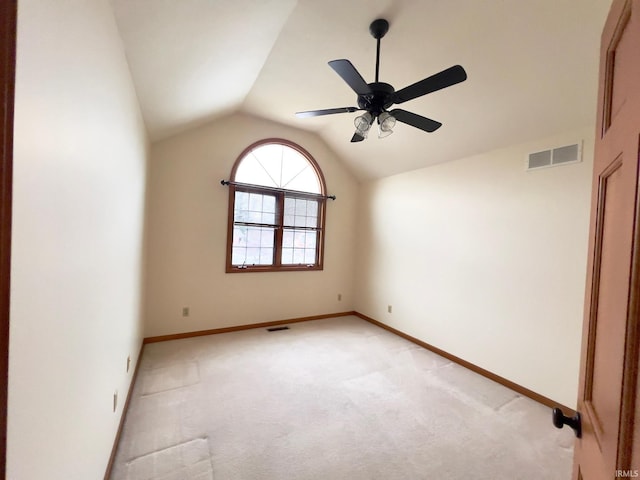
532	68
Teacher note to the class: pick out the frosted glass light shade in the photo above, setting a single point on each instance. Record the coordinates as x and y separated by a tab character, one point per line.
386	122
363	124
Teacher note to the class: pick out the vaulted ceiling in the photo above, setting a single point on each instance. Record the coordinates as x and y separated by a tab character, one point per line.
532	68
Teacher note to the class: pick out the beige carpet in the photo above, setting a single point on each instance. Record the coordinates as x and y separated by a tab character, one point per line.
328	399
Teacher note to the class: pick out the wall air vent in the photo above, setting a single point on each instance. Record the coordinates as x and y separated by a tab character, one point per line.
555	156
277	329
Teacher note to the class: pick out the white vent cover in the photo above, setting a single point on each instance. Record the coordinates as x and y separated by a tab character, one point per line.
555	156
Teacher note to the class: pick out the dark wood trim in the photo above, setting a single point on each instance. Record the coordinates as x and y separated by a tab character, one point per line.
609	63
291	193
279	234
288	143
280	196
200	333
8	22
279	229
322	215
491	376
230	217
125	410
485	373
628	413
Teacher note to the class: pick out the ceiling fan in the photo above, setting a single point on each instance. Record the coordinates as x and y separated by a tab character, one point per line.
375	98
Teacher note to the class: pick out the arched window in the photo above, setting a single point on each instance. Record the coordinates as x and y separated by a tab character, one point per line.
276	209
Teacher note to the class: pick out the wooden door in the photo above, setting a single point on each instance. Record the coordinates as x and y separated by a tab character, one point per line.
8	17
608	373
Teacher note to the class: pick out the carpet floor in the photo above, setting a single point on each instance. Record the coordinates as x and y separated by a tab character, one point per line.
328	399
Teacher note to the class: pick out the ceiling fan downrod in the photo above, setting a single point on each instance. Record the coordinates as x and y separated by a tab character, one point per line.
378	29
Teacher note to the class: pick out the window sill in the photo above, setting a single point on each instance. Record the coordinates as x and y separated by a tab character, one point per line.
271	268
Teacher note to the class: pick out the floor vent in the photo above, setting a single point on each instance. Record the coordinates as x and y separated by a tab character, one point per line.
277	329
555	156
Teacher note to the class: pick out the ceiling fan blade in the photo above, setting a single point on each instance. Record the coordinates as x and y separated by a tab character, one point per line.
328	111
418	121
357	138
349	74
444	79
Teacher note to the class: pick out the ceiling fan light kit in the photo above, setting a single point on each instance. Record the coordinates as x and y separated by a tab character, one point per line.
375	98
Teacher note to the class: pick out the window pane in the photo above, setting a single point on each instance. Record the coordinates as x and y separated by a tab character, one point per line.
253	237
252	245
304	243
250	171
253	256
254	217
289	210
269	204
287	256
258	213
269	157
287	238
301	207
299	238
269	218
289	206
309	256
249	208
266	256
240	216
312	208
239	236
255	202
298	255
300	212
311	240
242	201
241	207
306	181
267	237
278	165
238	255
292	166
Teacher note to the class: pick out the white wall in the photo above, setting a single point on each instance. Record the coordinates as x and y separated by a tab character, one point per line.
188	235
79	186
485	261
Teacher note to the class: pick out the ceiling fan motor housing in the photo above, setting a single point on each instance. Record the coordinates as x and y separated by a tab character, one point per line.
381	97
379	28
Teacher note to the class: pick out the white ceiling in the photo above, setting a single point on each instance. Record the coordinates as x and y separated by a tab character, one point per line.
532	68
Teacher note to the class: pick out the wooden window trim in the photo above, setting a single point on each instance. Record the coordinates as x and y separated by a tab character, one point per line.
8	27
280	194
